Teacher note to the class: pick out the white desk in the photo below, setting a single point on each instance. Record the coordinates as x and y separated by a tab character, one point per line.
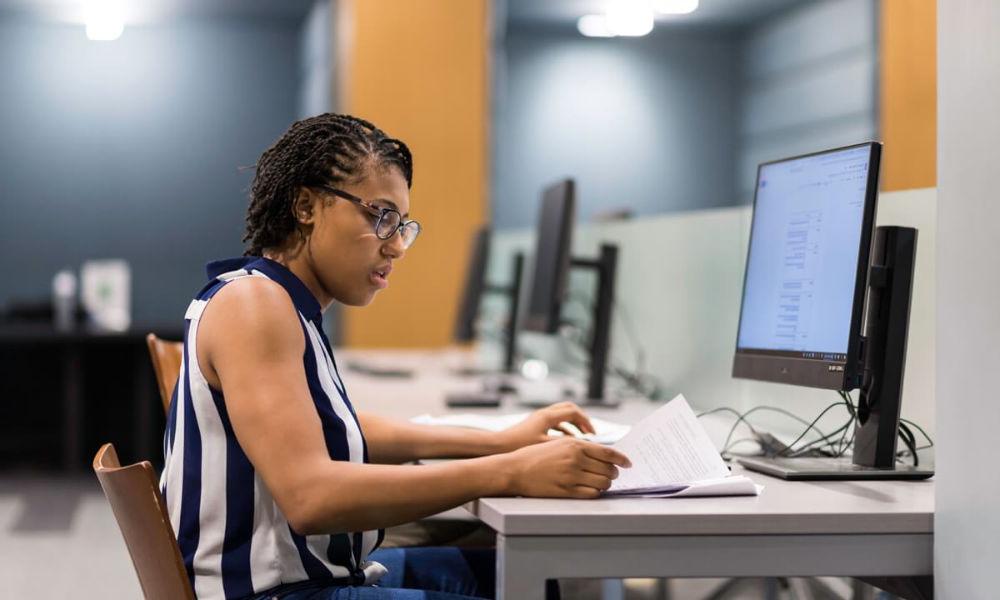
879	528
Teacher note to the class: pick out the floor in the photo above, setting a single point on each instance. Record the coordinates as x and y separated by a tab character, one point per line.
59	539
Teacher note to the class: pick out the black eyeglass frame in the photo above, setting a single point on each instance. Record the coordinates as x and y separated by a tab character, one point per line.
375	211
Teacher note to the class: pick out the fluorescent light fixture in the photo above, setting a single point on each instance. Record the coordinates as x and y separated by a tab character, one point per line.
105	20
676	7
631	18
594	26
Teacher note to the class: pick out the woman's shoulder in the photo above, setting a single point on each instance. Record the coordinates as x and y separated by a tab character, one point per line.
254	307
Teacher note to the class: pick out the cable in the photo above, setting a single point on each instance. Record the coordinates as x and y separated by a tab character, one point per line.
910	441
930	442
809	426
820	416
820	444
742	441
646	384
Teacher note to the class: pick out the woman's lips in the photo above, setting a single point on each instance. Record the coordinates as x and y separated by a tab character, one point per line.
379	279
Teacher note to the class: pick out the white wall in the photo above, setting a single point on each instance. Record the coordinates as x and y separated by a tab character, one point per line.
967	522
679	284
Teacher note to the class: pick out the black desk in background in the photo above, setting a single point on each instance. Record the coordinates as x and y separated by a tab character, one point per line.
62	394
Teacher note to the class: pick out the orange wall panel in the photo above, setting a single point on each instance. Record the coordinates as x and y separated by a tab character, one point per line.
419	71
908	89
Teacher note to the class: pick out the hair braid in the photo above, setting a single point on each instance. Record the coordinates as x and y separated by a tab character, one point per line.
327	148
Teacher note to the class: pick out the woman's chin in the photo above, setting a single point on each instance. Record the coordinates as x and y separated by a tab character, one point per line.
362	299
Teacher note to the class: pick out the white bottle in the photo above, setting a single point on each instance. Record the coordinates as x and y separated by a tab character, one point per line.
64	300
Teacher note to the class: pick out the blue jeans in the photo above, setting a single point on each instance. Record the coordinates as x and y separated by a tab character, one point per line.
445	573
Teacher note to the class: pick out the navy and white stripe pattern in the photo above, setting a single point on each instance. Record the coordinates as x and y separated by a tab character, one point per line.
233	537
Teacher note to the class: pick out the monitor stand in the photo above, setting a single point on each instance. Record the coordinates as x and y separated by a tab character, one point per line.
890	283
828	469
605	266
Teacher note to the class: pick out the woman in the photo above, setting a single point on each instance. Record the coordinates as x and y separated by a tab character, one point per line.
274	485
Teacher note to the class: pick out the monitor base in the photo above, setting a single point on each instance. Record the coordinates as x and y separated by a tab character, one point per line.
542	402
829	469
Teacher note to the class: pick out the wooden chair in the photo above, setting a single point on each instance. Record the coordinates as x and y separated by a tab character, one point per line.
142	518
166	357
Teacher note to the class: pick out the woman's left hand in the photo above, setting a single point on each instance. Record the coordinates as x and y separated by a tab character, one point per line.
535	429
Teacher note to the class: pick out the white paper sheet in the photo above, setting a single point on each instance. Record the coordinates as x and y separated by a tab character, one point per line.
673	456
668	447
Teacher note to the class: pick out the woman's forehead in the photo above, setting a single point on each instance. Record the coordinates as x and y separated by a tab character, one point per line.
387	186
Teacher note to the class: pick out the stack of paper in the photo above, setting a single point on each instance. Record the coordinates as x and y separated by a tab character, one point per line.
672	456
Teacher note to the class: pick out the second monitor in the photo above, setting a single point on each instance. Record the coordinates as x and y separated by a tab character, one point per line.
550	277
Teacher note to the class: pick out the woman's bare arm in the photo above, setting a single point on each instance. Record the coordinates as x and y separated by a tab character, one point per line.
251	343
393	441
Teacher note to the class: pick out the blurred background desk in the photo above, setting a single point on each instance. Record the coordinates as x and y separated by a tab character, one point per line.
63	393
434	376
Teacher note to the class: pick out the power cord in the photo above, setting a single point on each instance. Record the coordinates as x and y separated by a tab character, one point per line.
833	444
637	378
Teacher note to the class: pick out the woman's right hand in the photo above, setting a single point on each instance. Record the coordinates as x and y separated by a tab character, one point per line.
564	468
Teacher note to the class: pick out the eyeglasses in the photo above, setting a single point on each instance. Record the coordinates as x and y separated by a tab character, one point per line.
387	220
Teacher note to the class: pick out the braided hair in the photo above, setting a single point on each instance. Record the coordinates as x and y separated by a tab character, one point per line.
325	149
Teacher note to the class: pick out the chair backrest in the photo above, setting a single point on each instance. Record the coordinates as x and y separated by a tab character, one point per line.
142	518
166	357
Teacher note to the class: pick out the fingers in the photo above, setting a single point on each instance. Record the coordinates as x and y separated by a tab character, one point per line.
567	411
584	492
563	428
606	454
599	467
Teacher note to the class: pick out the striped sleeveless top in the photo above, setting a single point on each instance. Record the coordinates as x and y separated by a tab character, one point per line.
233	538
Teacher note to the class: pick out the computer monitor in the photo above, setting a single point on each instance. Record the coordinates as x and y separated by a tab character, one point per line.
552	258
476	286
550	277
804	290
804	286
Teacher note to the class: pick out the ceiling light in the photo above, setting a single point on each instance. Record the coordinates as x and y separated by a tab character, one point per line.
629	18
594	26
105	21
676	7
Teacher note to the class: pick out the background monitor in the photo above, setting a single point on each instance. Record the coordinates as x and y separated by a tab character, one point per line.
552	258
475	285
807	264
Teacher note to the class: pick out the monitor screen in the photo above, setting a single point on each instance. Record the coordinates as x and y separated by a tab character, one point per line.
475	284
806	270
552	258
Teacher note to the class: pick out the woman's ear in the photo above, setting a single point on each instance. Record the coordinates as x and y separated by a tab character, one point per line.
304	207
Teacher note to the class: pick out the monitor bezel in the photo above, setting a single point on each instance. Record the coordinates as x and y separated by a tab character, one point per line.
548	320
786	367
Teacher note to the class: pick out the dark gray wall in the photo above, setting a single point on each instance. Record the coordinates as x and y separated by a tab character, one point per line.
809	82
648	124
132	149
315	61
679	119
